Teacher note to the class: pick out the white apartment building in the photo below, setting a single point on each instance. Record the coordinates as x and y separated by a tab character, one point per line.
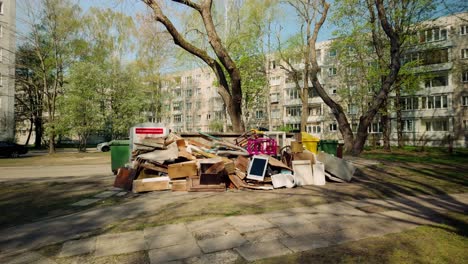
432	115
7	68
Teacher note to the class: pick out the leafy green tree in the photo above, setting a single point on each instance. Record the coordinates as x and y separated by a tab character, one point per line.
80	104
53	27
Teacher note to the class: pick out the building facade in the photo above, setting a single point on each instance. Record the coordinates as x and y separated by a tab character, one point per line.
433	114
7	69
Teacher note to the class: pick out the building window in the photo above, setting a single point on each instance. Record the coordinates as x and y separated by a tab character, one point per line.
409	103
177	92
293	111
437	125
464	53
332	53
465	124
259	114
464	30
1	80
274	97
176	106
1	54
177	118
272	64
465	100
465	76
375	128
332	127
188	105
198	105
331	71
314	129
275	113
208	116
436	81
1	7
189	92
1	31
188	119
315	111
407	125
434	102
431	35
292	93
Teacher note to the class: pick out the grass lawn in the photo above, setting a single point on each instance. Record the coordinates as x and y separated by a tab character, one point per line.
67	158
443	243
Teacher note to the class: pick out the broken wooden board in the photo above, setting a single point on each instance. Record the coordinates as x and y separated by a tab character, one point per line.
197	144
242	163
171	153
238	182
155	167
183	169
151	184
305	155
124	178
229	167
276	163
179	185
336	166
215	165
193	185
333	178
241	174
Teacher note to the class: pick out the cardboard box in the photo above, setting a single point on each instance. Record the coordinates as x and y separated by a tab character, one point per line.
151	184
183	169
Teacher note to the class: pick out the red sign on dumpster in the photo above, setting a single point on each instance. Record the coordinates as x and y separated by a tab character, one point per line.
150	130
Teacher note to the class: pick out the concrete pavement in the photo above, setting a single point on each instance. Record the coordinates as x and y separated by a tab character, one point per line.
224	240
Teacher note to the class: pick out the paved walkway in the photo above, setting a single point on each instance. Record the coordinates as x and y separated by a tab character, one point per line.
224	240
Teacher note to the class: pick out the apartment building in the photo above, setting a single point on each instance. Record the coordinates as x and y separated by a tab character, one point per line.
434	115
7	69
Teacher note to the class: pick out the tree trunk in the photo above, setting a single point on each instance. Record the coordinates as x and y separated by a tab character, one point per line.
31	120
38	130
386	128
52	149
399	120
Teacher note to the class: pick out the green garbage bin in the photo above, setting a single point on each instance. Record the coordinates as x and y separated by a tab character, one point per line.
120	154
329	146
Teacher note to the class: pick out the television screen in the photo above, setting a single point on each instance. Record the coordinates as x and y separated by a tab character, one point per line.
257	168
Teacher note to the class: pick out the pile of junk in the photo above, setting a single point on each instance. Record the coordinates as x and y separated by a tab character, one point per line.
159	159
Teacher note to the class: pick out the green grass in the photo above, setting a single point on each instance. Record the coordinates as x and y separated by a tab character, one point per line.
443	243
418	155
78	158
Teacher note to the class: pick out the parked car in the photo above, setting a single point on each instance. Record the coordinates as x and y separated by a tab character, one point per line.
104	146
10	149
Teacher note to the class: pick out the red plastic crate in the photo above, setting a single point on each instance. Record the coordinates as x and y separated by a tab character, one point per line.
266	146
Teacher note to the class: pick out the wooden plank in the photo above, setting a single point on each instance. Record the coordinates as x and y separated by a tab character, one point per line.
151	184
183	169
179	185
154	167
242	163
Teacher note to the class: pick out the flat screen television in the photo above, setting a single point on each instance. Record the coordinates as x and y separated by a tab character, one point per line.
257	168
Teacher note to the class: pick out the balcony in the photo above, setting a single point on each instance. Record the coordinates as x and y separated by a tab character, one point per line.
291	102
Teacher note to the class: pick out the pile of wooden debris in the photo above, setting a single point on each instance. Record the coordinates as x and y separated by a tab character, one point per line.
178	164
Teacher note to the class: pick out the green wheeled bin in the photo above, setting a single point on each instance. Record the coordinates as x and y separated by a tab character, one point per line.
329	146
120	154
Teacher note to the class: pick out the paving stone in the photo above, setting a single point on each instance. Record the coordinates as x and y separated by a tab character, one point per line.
228	241
167	240
269	249
271	215
292	220
297	231
165	230
304	243
399	216
212	223
115	244
27	258
341	209
86	202
221	257
265	235
78	247
249	223
174	253
105	194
